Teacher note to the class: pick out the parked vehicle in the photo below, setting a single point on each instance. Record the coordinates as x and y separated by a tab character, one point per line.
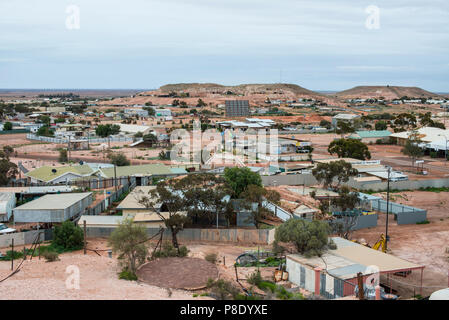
4	229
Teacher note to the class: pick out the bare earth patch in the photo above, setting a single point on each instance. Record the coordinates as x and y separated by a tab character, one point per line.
178	273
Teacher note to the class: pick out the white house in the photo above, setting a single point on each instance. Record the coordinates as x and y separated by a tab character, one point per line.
7	204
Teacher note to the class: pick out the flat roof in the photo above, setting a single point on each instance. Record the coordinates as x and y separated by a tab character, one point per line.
54	201
100	220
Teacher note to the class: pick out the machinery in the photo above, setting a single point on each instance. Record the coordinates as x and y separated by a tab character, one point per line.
381	243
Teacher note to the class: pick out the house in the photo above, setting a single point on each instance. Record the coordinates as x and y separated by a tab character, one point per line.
345	117
7	204
371	135
53	208
433	138
136	112
63	174
337	269
133	129
131	208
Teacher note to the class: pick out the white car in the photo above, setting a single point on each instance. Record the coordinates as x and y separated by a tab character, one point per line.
4	229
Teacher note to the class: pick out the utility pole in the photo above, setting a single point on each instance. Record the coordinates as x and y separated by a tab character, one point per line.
115	177
388	205
84	227
360	285
68	151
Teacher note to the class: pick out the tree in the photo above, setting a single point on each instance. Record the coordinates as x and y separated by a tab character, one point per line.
68	236
45	119
326	173
349	148
150	138
412	148
380	125
346	202
128	241
119	159
169	195
7	126
325	124
240	178
344	127
45	131
8	169
106	130
310	238
201	103
63	155
257	194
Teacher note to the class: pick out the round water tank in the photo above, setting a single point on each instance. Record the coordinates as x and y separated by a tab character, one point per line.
440	295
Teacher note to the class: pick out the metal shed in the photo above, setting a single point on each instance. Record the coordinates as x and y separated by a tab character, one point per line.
53	208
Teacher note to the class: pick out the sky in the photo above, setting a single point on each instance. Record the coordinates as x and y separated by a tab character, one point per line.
319	45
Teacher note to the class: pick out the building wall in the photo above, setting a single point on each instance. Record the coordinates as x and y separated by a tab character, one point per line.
10	205
208	235
55	216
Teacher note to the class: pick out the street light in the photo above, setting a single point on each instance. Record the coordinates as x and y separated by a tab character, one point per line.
388	204
445	149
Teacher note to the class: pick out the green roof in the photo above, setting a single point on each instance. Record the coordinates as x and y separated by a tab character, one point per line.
146	169
178	170
372	134
46	174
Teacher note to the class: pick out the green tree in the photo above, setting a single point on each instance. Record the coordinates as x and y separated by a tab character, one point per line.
168	197
344	127
150	138
346	202
310	238
63	155
45	119
106	130
349	148
338	171
380	125
128	241
8	169
45	131
201	104
119	159
68	236
240	178
257	194
7	126
412	148
325	124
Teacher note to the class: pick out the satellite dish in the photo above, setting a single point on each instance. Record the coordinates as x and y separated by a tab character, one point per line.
81	162
53	170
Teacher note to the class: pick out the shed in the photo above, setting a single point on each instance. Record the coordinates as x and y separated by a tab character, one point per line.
338	268
53	208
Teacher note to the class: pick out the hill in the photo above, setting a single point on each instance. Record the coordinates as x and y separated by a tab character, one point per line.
388	92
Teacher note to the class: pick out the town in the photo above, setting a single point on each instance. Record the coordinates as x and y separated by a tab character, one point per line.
204	191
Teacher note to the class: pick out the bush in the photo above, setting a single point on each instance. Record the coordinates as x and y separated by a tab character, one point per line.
127	275
9	255
169	251
423	222
255	278
68	236
222	289
50	256
211	257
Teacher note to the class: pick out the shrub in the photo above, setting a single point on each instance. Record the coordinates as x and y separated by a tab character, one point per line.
68	236
255	278
127	275
168	250
9	255
222	289
423	222
211	257
50	256
267	285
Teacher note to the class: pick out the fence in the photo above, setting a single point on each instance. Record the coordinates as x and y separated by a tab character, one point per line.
403	214
291	180
258	236
400	185
31	136
24	238
104	205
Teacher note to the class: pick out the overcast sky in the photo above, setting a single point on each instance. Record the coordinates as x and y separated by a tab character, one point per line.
320	45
